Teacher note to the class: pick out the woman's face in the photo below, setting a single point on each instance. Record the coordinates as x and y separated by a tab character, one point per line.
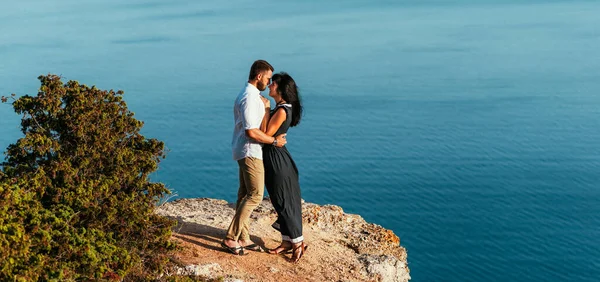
273	90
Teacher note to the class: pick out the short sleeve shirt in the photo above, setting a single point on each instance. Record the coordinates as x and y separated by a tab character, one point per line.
248	113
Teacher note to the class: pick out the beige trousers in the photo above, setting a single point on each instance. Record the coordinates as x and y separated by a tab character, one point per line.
250	194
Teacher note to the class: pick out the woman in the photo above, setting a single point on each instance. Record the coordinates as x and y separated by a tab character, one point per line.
281	174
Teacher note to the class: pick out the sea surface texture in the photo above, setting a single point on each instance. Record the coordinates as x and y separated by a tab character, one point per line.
469	128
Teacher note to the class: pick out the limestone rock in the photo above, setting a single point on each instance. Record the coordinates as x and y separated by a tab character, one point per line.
385	268
342	247
204	270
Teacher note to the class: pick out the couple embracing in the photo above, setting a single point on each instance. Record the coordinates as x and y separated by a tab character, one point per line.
258	147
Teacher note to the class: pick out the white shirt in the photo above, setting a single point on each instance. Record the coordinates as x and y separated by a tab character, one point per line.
248	112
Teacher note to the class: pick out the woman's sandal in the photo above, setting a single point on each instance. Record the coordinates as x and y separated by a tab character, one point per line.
298	252
284	250
291	250
280	250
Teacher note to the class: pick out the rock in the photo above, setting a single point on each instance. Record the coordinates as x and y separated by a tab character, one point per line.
205	270
385	268
342	247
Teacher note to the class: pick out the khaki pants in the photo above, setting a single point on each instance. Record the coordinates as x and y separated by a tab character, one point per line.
250	194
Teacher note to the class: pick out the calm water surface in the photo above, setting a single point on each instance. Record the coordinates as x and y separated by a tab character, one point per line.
470	128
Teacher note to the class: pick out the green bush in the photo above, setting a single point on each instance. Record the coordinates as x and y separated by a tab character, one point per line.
76	202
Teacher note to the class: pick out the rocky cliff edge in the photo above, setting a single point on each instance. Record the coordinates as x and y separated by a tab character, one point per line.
342	247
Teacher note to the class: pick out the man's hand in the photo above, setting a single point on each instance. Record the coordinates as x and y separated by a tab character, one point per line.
280	140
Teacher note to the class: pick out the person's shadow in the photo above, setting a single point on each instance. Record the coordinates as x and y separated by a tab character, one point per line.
206	234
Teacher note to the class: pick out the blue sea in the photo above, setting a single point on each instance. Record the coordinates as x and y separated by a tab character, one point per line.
469	128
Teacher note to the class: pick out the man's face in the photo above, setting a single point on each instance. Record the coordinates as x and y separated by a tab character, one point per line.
264	79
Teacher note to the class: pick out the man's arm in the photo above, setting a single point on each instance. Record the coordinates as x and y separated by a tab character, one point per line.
261	137
252	117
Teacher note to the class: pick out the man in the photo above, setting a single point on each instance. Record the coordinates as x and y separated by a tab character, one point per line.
249	109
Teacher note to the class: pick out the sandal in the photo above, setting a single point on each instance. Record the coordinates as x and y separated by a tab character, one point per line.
290	250
300	252
254	247
280	250
234	250
284	250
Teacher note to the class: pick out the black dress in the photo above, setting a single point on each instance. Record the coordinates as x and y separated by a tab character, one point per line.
281	179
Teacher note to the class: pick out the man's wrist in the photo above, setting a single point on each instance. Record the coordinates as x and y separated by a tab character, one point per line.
274	143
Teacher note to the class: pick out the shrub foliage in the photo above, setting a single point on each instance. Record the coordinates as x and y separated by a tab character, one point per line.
76	202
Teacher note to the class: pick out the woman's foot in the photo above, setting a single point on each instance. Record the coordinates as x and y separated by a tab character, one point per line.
281	249
298	251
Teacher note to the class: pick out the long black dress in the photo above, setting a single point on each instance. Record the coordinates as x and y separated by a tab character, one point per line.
281	179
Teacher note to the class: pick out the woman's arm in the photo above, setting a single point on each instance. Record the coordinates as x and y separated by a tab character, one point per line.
275	122
259	136
265	121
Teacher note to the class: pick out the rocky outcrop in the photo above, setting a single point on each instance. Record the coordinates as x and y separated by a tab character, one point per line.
342	247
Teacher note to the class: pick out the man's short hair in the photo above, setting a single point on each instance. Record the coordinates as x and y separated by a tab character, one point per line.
258	67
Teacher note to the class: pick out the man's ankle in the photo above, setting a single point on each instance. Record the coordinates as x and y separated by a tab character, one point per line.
229	241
